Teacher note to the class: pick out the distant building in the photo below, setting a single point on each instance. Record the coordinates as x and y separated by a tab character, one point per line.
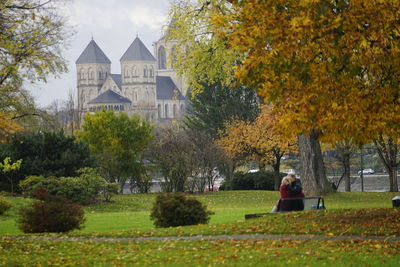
147	85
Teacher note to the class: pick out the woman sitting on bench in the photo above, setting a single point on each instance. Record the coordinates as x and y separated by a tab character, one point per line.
290	188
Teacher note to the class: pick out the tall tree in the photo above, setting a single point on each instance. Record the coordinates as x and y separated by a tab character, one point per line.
117	142
217	104
320	63
173	152
32	35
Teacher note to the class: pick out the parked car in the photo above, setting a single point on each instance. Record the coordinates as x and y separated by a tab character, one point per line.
367	171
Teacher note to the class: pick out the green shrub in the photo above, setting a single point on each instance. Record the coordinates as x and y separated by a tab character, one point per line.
83	189
53	214
108	190
262	180
4	205
175	209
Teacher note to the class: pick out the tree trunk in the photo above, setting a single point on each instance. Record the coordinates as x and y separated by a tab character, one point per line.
346	165
276	166
388	150
277	176
312	169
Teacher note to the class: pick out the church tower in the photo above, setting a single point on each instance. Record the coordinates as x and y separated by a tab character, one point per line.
165	53
92	68
139	79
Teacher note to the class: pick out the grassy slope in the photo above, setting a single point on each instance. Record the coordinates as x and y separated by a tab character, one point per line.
199	253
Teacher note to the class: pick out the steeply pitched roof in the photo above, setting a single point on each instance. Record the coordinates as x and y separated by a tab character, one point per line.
137	51
166	89
109	96
92	54
117	78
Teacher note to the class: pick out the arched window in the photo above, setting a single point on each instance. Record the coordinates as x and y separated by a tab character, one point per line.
145	71
126	73
161	58
159	110
151	72
173	56
152	97
174	111
182	108
148	97
134	72
166	111
81	74
90	74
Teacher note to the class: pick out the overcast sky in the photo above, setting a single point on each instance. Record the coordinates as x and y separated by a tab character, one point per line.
113	25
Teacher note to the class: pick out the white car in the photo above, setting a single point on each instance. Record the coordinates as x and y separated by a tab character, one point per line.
367	171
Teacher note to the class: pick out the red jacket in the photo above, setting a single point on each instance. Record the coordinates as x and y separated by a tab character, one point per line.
285	192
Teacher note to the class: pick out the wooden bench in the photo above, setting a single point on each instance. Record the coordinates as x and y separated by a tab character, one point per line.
294	204
298	204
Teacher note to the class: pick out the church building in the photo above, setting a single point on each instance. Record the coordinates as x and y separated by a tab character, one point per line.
147	85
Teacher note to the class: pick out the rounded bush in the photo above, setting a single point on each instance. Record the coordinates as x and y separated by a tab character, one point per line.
4	205
53	214
175	209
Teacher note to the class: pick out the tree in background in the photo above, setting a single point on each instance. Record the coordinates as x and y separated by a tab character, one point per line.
217	104
44	153
389	151
32	35
210	161
117	142
260	140
328	67
200	55
173	152
7	168
343	153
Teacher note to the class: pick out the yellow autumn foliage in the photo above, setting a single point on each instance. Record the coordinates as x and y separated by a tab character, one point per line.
327	66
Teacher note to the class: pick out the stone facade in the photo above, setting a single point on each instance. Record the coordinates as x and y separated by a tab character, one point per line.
147	85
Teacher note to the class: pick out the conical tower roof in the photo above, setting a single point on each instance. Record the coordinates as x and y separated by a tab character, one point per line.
92	54
137	51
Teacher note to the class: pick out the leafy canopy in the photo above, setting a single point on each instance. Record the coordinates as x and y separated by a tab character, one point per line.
328	66
117	141
32	36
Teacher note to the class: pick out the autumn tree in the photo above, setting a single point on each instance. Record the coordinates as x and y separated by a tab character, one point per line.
32	36
260	140
328	67
117	142
200	55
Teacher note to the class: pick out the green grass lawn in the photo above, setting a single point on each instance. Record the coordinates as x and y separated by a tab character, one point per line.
132	212
353	213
